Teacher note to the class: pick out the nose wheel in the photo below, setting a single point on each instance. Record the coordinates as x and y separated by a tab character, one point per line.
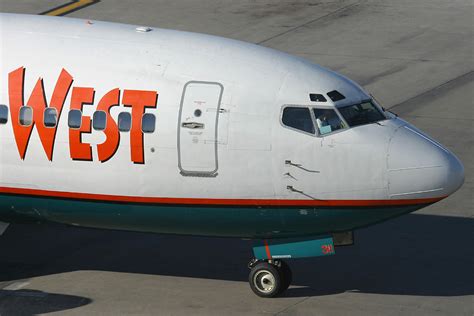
269	278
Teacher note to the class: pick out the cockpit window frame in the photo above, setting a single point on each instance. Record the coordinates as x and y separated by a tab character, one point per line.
329	107
382	110
373	102
295	129
347	127
313	118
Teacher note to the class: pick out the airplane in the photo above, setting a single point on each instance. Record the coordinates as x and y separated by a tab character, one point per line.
135	128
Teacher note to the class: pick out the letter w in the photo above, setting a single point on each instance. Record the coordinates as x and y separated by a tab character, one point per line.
37	101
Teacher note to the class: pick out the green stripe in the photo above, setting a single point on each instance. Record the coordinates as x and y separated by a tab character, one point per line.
244	222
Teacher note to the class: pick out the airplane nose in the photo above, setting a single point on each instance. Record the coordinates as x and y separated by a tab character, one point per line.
419	167
455	174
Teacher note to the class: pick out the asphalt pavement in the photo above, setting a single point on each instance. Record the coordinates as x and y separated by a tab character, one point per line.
415	56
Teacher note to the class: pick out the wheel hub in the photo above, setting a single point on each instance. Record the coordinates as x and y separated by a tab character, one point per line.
264	281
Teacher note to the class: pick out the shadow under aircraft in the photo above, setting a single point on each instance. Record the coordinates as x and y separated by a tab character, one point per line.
423	255
29	303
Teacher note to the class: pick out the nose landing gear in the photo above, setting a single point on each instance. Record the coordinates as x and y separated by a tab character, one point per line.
269	275
269	278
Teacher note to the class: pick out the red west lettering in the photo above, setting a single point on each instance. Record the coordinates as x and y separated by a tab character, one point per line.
37	102
107	149
139	101
78	149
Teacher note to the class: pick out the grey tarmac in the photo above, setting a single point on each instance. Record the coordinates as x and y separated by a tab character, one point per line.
415	56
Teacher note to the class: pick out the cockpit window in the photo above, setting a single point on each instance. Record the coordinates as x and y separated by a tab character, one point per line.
298	118
361	114
327	121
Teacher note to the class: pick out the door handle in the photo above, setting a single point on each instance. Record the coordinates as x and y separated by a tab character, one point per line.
193	125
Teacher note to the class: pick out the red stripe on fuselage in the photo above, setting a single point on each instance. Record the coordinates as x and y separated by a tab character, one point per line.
214	202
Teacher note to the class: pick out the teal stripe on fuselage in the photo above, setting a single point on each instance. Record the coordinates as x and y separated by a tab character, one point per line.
238	221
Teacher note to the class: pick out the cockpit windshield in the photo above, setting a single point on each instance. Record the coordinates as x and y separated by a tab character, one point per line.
361	114
327	121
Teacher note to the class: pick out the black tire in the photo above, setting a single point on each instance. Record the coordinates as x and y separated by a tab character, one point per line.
265	280
286	276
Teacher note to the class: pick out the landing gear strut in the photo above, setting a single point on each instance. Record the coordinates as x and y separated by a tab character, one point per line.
269	278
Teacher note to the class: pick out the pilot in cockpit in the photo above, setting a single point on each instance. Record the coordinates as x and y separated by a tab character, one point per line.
322	120
327	121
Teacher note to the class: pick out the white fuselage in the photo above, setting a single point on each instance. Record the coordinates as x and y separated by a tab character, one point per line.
235	149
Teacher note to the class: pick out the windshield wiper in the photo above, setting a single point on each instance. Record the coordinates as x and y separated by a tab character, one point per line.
389	111
396	115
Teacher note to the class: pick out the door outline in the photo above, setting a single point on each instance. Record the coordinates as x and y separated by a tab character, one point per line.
189	173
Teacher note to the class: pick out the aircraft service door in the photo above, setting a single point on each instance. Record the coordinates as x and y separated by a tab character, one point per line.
198	127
